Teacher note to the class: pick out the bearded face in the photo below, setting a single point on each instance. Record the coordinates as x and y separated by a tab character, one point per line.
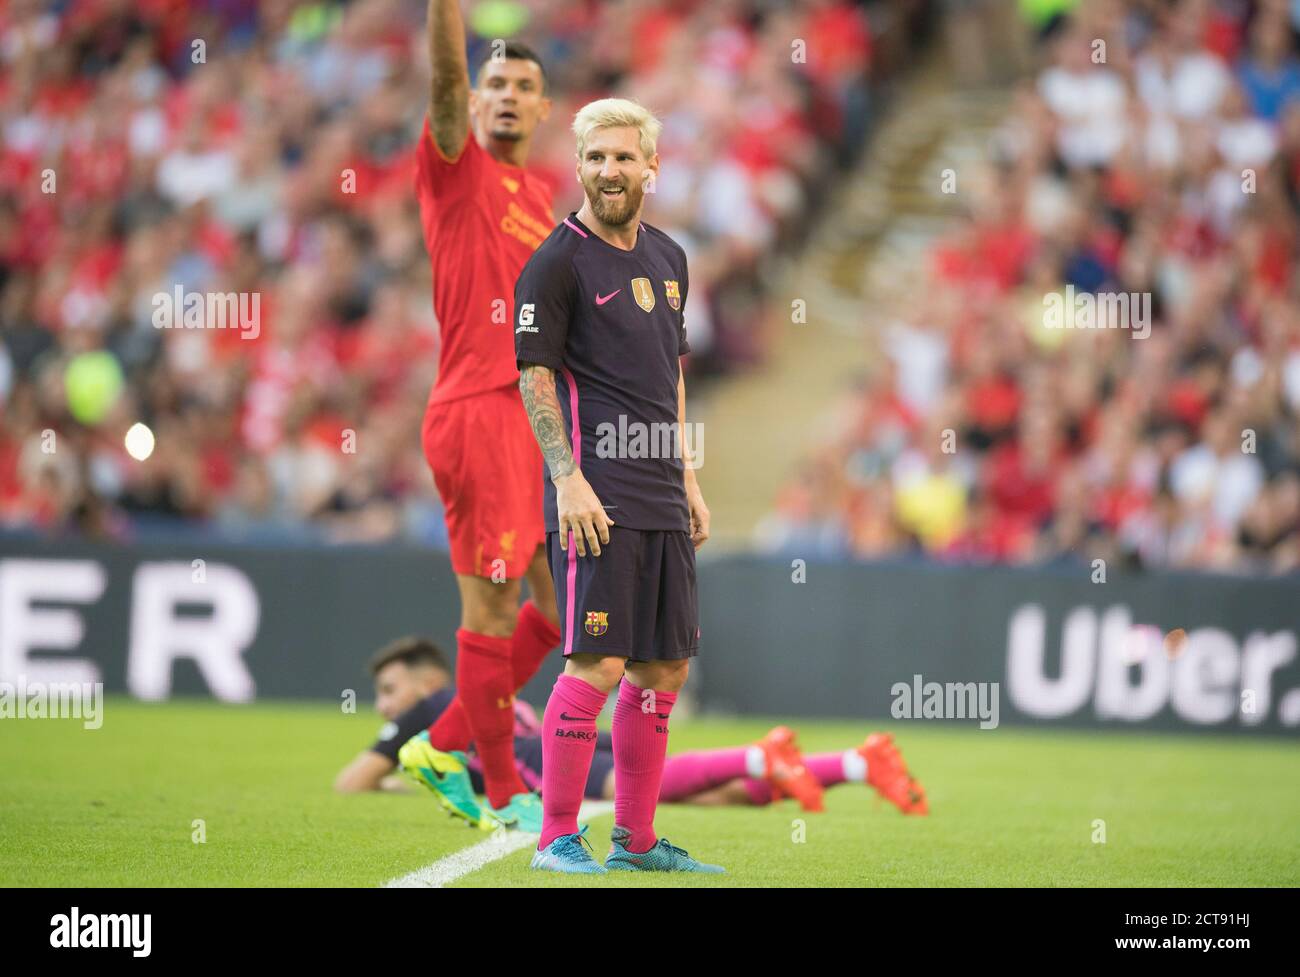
615	200
614	172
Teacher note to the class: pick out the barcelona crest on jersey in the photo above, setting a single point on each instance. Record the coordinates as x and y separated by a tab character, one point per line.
673	293
597	623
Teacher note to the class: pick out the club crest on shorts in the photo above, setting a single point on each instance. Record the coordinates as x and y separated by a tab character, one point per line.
597	623
643	293
673	294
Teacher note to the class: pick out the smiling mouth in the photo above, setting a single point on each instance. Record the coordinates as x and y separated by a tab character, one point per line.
611	192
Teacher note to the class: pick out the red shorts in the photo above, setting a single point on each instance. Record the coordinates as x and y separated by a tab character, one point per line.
488	471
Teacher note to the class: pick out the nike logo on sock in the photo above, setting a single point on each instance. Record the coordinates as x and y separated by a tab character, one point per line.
601	300
572	719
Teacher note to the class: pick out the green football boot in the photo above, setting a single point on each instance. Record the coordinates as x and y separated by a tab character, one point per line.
447	776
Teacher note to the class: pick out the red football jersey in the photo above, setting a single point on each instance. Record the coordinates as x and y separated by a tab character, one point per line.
482	221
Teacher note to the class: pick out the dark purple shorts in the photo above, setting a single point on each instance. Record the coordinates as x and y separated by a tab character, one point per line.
637	600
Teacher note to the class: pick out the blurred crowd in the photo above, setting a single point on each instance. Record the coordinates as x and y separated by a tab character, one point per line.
159	147
1154	153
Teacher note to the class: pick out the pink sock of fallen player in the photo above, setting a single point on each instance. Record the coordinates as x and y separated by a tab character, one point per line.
829	769
687	774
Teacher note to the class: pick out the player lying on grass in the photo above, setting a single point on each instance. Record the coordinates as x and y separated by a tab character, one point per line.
414	684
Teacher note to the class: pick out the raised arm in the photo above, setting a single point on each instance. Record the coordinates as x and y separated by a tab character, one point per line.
449	87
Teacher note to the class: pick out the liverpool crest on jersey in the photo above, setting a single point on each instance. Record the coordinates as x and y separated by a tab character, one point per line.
597	623
673	294
643	293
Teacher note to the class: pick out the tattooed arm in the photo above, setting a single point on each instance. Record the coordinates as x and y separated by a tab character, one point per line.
449	89
537	387
578	509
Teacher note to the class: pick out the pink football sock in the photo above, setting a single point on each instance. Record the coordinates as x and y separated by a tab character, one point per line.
568	743
686	774
640	745
828	768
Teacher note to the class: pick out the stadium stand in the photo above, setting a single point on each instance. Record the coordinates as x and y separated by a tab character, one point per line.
1167	170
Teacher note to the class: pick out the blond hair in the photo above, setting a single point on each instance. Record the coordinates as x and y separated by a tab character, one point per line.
606	113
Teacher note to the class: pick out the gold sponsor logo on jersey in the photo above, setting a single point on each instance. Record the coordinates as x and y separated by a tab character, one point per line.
644	293
673	293
519	224
597	623
510	184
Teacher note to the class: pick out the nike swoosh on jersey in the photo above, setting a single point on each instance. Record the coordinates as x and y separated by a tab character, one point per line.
601	300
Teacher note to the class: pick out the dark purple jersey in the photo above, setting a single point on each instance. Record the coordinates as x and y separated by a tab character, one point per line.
609	322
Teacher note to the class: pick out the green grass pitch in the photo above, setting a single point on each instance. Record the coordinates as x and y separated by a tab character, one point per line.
1009	807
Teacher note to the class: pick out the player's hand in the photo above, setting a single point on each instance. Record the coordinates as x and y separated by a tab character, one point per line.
699	511
581	513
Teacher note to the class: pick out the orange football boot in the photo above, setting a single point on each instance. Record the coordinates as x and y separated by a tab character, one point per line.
786	773
887	772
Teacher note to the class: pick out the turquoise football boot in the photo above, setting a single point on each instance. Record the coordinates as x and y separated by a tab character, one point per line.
447	777
523	813
663	857
570	854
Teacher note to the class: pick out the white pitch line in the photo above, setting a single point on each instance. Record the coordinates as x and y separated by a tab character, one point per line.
497	845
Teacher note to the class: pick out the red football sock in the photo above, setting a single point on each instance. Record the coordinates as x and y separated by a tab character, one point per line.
450	731
486	692
533	639
640	745
568	744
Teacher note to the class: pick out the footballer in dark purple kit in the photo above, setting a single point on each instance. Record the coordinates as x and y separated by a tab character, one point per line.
598	335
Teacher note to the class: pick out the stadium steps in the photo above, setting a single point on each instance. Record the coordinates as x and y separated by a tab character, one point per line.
864	254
